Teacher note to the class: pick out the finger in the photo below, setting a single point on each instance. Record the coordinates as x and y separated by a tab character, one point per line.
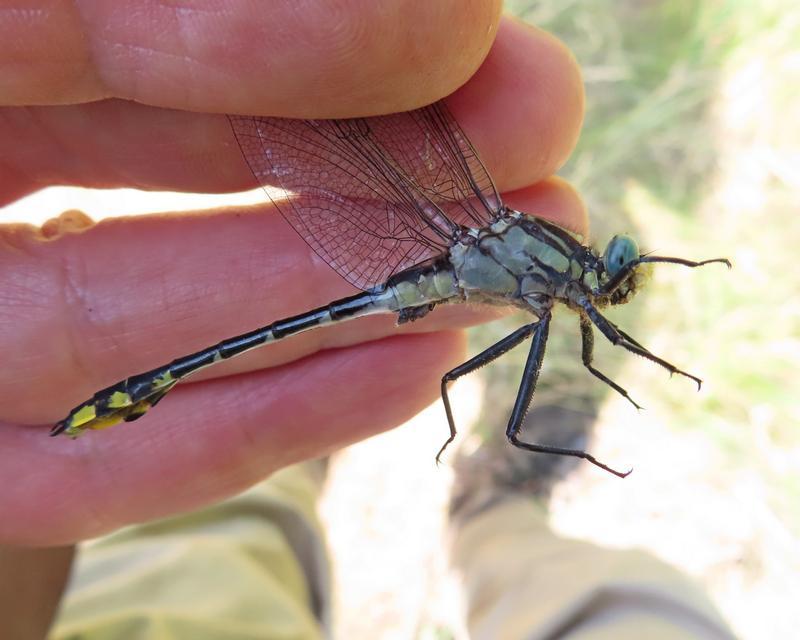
214	439
522	110
83	310
554	199
327	59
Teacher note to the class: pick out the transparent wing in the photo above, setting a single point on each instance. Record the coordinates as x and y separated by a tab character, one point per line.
371	196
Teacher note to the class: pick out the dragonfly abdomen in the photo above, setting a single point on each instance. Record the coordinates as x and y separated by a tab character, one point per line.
131	398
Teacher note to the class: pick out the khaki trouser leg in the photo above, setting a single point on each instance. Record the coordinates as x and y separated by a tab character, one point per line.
525	582
253	567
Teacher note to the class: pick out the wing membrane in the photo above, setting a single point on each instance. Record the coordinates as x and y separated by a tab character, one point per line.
371	196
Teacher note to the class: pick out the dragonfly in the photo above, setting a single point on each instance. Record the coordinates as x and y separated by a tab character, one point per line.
402	207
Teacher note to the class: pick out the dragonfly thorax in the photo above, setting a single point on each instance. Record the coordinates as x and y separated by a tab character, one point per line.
518	260
525	261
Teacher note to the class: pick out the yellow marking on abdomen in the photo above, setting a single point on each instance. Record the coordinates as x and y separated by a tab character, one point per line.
119	399
85	414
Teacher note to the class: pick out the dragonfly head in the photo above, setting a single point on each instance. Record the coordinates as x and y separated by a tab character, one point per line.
622	272
620	251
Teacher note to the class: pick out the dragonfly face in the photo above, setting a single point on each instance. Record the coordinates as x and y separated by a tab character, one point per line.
619	272
620	251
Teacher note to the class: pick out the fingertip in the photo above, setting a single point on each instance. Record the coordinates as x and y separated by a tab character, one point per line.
524	107
324	60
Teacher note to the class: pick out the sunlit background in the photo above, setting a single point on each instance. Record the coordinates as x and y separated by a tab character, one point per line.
692	144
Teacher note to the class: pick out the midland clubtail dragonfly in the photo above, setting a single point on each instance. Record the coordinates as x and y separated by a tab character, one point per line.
402	208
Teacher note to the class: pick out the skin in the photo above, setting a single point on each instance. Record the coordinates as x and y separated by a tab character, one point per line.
85	306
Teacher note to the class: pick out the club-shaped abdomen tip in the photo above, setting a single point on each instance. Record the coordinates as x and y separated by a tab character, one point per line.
58	428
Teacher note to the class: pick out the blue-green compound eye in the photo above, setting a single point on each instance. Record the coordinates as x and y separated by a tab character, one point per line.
620	251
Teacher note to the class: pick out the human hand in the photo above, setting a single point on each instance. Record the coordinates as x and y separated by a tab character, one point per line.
82	310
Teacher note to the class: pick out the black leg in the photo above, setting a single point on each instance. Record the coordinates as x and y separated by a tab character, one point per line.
526	388
627	336
685	262
485	357
587	349
621	339
622	275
